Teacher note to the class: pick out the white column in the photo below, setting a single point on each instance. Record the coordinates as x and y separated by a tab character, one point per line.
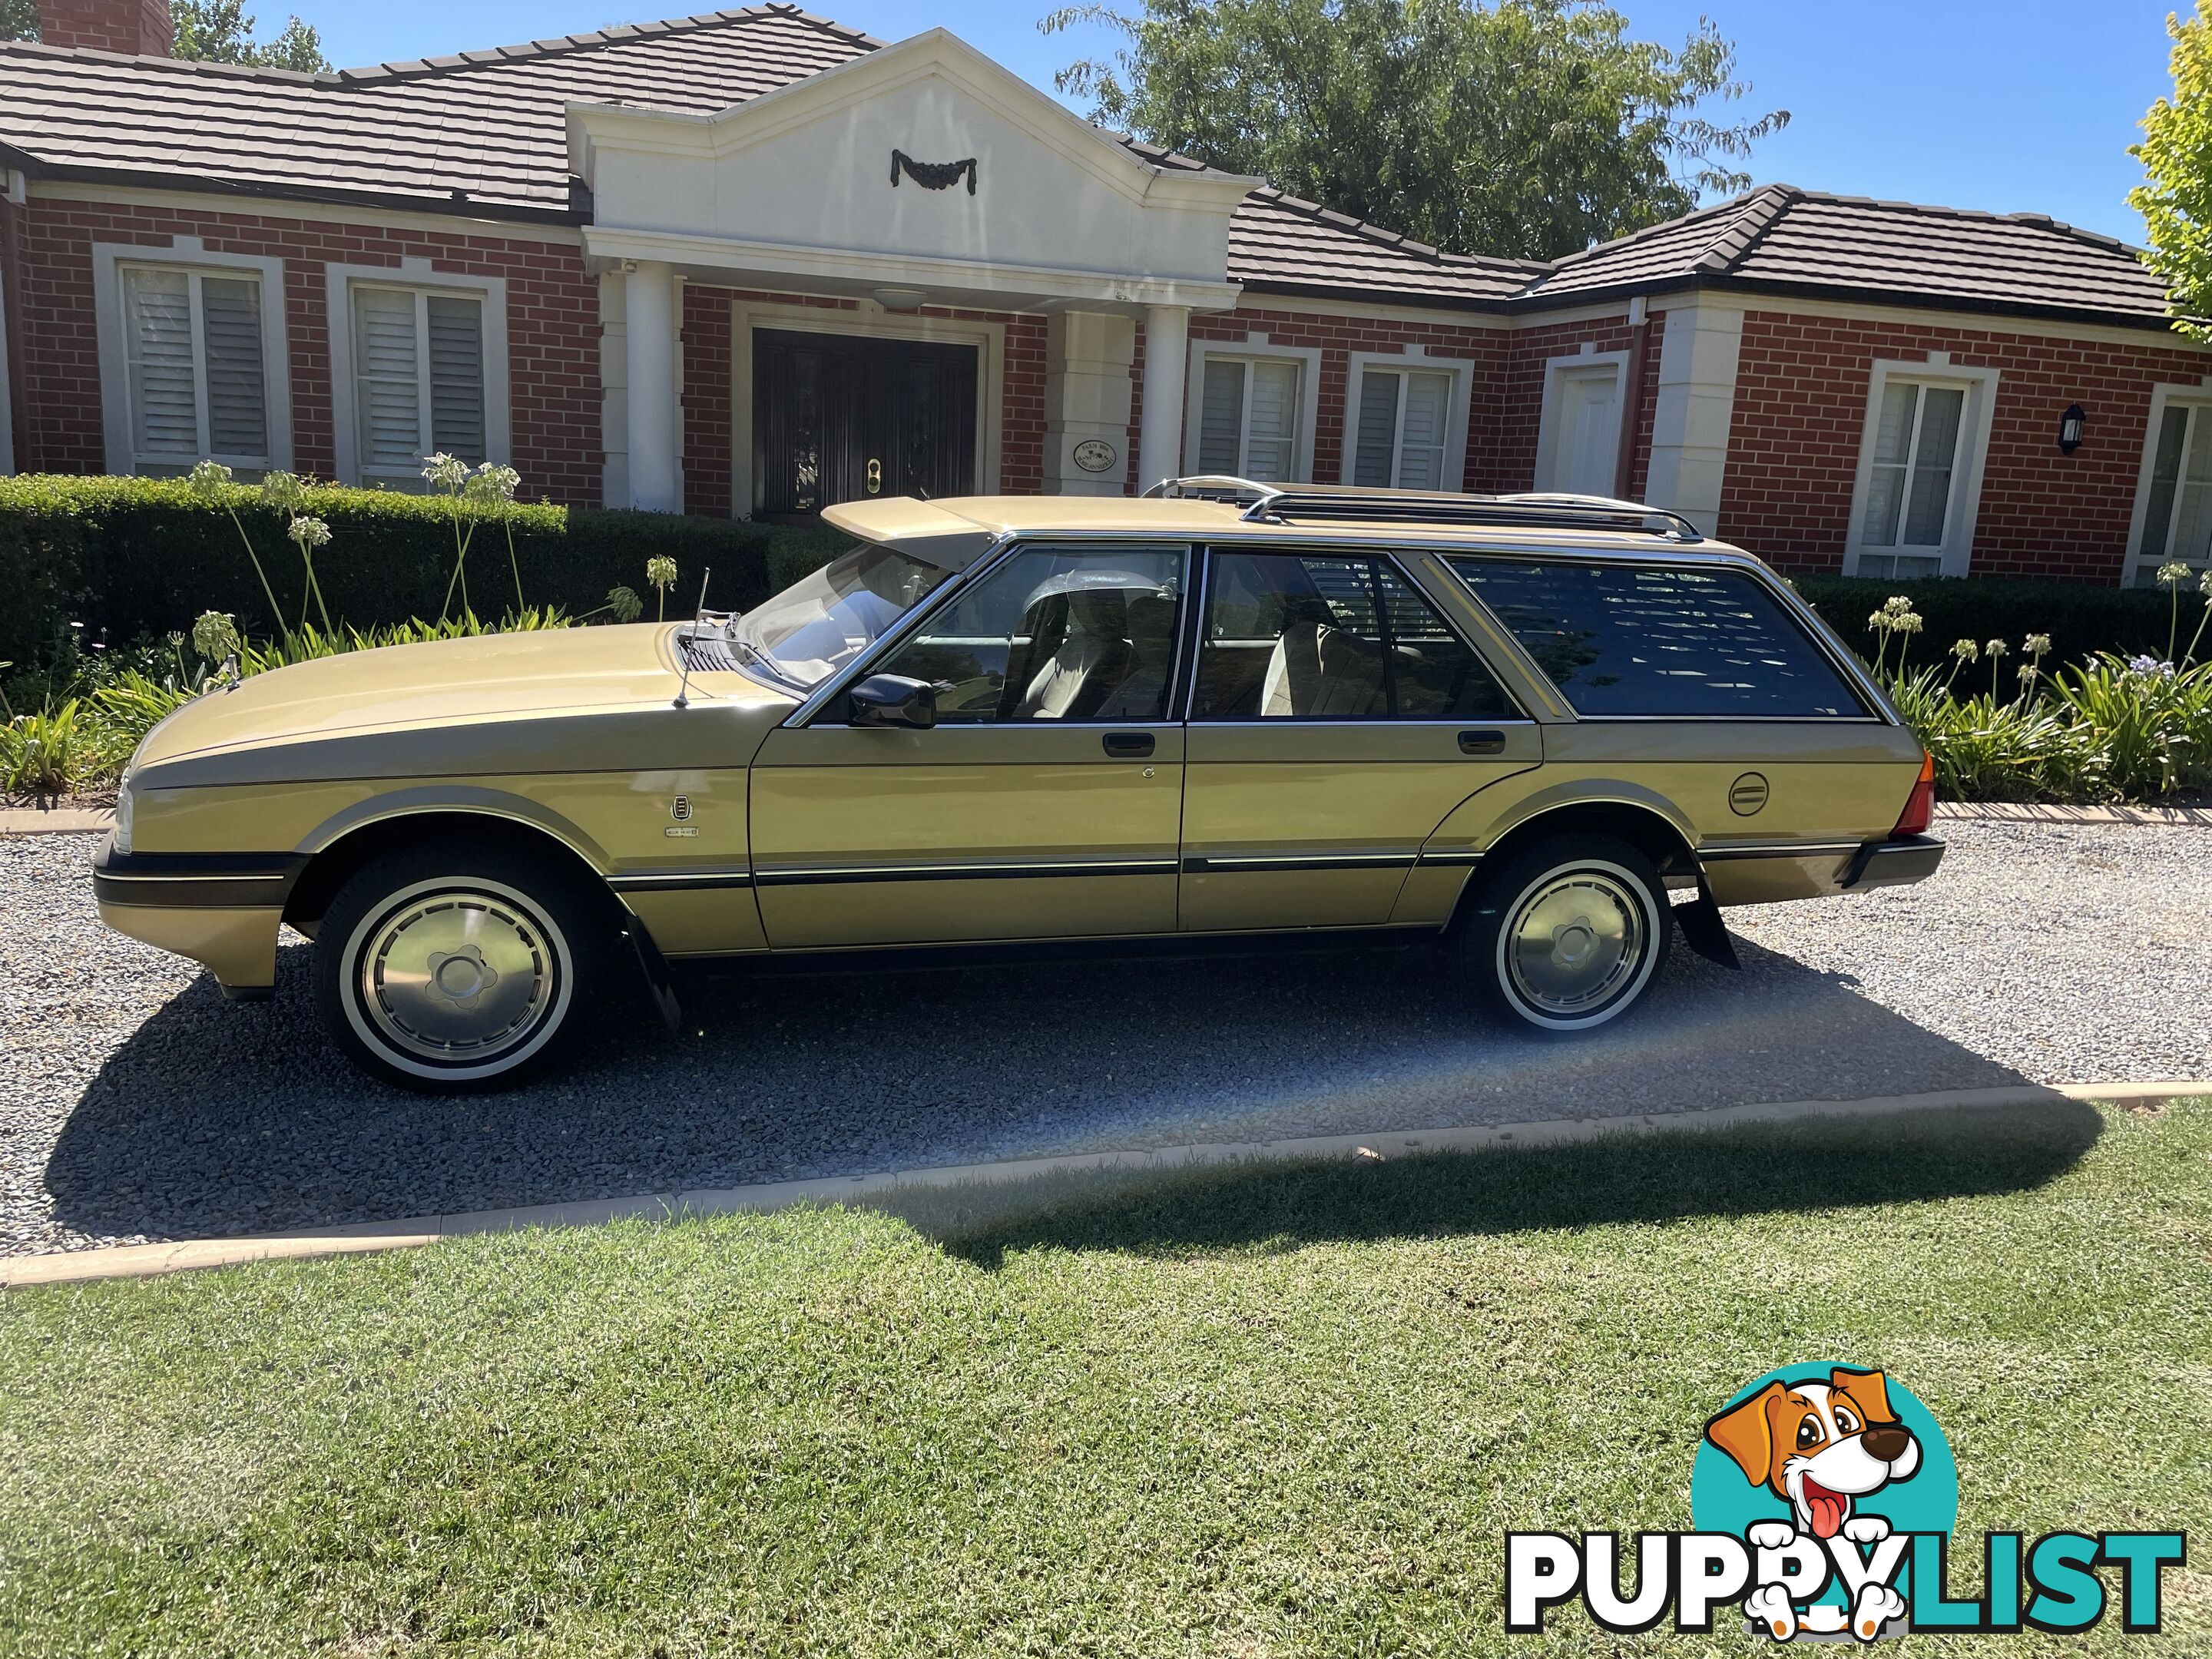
1159	428
1696	404
1087	402
649	332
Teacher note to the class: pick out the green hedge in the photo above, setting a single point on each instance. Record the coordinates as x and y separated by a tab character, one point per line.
2080	620
128	557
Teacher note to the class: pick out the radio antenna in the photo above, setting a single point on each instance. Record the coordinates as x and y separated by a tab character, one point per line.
698	622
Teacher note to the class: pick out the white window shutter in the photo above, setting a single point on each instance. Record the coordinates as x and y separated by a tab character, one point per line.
386	372
1221	417
1421	441
1374	462
457	376
1271	426
237	390
165	423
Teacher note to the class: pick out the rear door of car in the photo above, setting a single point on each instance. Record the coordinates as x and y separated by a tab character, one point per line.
1335	719
1045	803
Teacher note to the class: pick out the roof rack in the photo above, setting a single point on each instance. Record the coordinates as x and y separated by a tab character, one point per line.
1267	503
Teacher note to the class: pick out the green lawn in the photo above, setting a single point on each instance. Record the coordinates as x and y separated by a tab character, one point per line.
1251	1411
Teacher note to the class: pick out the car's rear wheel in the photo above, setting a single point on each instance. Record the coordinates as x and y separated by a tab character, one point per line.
455	968
1567	934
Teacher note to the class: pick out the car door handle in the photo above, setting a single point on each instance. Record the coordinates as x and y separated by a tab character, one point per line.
1482	743
1128	745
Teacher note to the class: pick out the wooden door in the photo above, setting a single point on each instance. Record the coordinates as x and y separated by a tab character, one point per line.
837	417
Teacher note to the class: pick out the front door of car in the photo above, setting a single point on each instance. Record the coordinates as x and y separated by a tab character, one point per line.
1046	801
1336	721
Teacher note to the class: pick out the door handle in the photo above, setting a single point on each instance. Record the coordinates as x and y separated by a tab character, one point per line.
875	475
1128	745
1482	743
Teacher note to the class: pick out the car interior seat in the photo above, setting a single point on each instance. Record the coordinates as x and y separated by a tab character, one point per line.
1320	669
1093	658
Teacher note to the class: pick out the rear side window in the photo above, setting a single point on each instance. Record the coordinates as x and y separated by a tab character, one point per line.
1628	640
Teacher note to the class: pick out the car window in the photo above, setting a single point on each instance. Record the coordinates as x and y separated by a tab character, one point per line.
822	622
1293	636
1054	633
1647	640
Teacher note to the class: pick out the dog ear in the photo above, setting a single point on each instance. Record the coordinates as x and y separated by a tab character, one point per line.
1868	1390
1743	1432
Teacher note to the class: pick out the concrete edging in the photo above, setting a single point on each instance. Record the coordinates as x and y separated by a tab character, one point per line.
55	820
143	1261
2001	811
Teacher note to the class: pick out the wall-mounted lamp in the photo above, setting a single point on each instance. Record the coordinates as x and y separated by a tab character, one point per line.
2069	429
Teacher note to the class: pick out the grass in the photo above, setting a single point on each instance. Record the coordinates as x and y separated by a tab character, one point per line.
1238	1412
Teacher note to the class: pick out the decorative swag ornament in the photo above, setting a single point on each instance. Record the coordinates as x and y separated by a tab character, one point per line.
932	175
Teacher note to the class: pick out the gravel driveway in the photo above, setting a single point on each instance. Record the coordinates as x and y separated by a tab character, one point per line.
135	1103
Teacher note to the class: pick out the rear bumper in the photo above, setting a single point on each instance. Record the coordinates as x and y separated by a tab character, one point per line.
1895	863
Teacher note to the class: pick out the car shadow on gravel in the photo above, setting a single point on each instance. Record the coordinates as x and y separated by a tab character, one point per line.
215	1119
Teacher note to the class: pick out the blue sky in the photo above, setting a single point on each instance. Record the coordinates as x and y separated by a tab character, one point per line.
2030	105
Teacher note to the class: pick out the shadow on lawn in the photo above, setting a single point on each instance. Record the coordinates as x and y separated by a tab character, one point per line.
213	1119
1815	1165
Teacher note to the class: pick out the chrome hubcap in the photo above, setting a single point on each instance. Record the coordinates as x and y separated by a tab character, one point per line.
458	975
1574	942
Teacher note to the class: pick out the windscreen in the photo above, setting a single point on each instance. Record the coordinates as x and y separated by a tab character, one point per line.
816	626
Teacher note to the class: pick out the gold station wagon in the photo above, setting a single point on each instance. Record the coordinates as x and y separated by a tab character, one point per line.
1544	729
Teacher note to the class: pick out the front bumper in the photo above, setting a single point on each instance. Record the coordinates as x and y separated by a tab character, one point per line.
222	910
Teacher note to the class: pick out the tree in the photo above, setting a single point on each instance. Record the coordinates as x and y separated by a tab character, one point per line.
2176	199
208	32
219	31
1532	128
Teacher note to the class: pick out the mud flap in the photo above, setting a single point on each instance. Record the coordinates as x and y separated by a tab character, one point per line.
658	979
1704	931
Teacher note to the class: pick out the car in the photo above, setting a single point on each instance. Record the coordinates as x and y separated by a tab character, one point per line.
1546	731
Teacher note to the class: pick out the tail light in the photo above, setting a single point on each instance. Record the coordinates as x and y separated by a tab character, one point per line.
1920	805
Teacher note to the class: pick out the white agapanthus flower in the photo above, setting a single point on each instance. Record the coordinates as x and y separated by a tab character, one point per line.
449	472
492	485
309	532
283	490
208	476
2172	576
2036	645
215	635
1966	651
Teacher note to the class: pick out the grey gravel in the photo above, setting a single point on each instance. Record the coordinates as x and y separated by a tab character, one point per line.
135	1105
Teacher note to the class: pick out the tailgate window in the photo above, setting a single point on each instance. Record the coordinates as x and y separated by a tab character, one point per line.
1628	640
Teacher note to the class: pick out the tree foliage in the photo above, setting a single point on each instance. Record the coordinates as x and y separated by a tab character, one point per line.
2175	197
1526	127
19	19
220	31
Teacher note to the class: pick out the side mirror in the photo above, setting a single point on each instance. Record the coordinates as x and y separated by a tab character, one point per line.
893	700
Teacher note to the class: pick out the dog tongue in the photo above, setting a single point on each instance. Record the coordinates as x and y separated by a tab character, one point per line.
1828	1510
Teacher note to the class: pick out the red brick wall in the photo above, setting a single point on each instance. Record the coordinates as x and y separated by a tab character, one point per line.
1337	337
1800	410
552	329
1516	400
708	429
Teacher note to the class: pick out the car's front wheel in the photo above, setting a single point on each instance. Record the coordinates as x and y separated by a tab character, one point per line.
1568	934
455	968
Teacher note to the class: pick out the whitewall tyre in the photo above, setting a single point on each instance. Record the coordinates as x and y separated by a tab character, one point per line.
1567	935
455	971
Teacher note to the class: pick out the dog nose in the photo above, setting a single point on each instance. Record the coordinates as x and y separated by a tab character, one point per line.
1887	1441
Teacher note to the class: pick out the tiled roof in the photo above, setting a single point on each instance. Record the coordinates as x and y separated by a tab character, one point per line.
1780	237
486	128
486	133
1284	244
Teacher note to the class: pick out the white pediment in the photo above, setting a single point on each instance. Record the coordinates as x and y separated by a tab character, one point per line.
801	182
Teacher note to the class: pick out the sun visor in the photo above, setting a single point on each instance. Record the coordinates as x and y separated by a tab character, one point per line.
921	529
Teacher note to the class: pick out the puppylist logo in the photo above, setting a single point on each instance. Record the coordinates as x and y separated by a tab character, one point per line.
1822	1501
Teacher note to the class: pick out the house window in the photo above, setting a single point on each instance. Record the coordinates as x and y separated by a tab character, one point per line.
195	368
1250	413
2177	520
419	382
1404	418
1920	463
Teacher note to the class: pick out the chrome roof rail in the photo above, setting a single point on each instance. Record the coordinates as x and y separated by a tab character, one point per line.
1283	504
1207	487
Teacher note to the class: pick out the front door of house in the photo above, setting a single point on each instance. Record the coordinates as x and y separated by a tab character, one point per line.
837	417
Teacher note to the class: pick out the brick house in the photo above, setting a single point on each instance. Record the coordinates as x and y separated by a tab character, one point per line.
752	263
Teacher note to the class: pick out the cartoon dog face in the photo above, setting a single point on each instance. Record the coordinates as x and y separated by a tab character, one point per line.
1818	1445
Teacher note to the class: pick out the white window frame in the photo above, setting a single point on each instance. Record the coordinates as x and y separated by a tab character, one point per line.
1980	385
1255	350
188	254
1358	363
1555	371
416	274
2196	397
